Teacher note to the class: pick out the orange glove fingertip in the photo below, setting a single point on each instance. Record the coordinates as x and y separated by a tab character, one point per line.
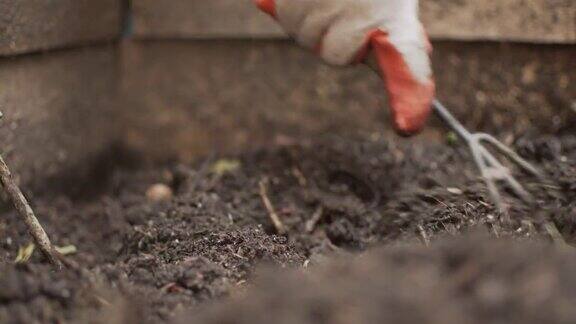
410	99
412	113
268	6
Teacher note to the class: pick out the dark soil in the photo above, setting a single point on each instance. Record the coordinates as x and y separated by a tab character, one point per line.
461	280
145	261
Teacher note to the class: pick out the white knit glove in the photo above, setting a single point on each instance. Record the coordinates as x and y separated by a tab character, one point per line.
343	31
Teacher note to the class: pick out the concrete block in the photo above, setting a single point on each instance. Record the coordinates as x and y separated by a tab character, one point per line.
58	113
193	97
189	98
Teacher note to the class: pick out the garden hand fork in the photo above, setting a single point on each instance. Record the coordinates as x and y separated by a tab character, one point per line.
491	169
312	23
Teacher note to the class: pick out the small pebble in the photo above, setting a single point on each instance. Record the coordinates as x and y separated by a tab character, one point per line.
455	191
159	192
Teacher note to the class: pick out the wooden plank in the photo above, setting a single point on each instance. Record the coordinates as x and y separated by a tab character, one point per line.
202	19
540	21
546	21
36	25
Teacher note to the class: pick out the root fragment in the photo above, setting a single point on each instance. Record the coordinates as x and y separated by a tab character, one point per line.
316	217
278	225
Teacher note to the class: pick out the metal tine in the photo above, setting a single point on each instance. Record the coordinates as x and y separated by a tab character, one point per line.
508	152
503	173
488	177
490	167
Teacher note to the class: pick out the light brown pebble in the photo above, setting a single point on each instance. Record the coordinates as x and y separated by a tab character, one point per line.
455	191
159	192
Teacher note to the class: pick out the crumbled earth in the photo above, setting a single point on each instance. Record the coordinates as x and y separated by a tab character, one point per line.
145	255
472	280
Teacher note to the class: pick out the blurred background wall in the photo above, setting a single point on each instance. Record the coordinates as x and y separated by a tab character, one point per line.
178	78
58	85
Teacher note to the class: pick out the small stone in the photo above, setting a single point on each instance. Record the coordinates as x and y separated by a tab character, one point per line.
455	191
159	192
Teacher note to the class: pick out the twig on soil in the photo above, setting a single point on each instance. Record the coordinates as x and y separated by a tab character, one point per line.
424	235
102	301
25	211
496	230
555	234
280	228
312	222
300	177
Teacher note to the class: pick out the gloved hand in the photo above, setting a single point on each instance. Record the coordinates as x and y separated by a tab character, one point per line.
345	31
